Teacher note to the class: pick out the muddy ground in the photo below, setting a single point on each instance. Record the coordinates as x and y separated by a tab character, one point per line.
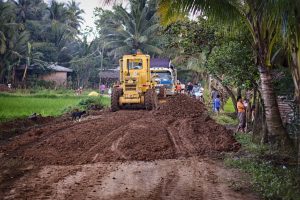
169	153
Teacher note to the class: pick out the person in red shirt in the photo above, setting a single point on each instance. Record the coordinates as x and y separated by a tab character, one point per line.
241	114
178	88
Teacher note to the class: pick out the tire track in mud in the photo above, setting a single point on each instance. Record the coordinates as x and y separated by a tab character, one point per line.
115	144
177	131
175	179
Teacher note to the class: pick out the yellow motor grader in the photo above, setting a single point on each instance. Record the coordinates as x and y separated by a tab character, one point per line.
136	86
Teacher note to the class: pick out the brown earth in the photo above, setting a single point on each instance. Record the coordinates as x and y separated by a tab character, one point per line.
4	88
130	154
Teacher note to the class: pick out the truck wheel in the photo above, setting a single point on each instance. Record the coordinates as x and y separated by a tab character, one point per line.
149	99
115	100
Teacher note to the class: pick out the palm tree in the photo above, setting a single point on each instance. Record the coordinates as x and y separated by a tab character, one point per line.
57	11
291	34
29	9
10	36
74	18
263	24
131	30
22	9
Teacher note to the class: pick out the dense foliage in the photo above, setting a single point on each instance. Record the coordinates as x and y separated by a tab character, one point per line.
35	33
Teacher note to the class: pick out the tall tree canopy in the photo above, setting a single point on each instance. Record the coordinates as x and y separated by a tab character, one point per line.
127	29
263	20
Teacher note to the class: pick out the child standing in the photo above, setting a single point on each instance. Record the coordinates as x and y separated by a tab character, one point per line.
241	114
217	104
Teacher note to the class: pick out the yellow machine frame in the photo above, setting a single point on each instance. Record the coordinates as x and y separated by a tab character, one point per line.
136	85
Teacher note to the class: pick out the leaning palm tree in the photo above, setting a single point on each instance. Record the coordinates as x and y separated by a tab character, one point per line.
126	31
263	24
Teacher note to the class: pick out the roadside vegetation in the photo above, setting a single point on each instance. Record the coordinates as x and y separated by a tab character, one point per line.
45	102
273	177
247	48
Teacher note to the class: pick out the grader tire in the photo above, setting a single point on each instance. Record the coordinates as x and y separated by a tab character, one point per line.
115	100
162	92
150	99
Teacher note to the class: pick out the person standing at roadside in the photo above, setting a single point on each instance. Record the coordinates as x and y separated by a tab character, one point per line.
241	114
214	94
189	88
217	104
109	91
102	89
178	88
182	87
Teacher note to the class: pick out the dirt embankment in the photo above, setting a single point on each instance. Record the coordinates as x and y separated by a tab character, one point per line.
180	127
130	154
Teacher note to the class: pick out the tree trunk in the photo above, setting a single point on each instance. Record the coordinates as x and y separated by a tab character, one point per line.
25	72
295	69
207	80
196	77
229	91
13	77
254	96
278	136
239	91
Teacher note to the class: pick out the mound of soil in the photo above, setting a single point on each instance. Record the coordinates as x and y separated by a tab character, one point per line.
181	106
195	123
181	127
146	141
18	126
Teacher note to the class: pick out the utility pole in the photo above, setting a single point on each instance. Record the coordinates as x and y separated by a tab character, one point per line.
101	64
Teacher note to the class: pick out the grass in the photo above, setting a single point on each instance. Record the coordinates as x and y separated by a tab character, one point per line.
228	107
47	93
272	181
22	104
224	119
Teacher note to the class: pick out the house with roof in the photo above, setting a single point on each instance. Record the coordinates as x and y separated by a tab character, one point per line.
57	74
52	73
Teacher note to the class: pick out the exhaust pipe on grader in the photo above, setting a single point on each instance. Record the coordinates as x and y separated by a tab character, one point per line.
137	87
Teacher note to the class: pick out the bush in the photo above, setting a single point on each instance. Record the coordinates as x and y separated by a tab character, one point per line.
273	181
93	103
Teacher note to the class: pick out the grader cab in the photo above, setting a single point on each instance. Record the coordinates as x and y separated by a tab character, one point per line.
136	87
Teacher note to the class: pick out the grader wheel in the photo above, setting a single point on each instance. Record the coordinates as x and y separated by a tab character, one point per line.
162	92
150	99
115	100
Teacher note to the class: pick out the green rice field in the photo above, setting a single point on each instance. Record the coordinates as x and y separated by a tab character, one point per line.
22	105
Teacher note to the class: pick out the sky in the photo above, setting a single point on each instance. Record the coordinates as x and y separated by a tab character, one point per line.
88	6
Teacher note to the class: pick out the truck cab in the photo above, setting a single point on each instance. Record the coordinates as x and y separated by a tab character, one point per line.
165	75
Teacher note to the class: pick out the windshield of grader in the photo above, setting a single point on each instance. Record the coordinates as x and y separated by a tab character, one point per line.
135	64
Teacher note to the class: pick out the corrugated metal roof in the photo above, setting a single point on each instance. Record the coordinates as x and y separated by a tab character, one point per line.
59	68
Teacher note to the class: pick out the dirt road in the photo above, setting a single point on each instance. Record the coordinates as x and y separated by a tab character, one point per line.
162	154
